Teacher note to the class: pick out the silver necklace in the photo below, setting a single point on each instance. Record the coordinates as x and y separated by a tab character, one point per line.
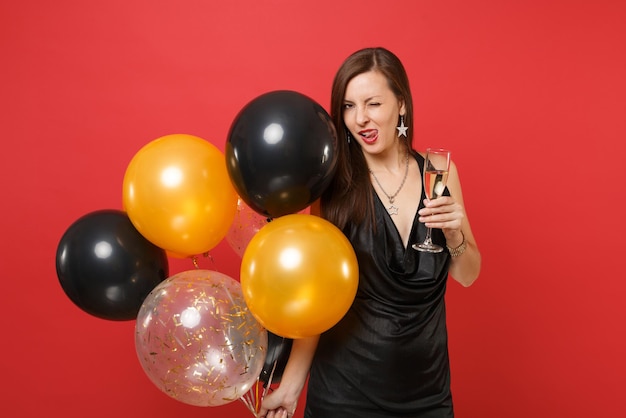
392	209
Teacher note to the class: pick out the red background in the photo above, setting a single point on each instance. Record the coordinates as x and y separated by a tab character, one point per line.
530	96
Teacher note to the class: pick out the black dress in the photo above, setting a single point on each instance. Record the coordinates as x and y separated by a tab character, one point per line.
388	357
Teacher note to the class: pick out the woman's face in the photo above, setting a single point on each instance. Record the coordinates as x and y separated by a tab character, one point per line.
371	111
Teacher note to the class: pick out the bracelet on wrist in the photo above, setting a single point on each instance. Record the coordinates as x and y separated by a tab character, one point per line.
457	251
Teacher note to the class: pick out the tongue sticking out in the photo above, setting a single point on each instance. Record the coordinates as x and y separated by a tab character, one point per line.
369	136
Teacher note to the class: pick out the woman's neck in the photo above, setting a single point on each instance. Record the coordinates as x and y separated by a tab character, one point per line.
391	161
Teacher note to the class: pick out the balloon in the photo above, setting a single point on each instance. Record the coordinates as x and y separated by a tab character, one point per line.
178	194
245	225
299	275
197	341
106	267
278	350
281	152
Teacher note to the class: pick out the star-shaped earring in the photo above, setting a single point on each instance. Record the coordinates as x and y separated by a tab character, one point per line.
402	129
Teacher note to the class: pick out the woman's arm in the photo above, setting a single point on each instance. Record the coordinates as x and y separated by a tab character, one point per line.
448	213
282	402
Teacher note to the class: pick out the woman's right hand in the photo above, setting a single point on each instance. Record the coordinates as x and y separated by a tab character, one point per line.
282	402
278	404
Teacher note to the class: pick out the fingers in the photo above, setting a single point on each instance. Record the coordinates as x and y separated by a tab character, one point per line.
441	205
442	212
279	412
277	405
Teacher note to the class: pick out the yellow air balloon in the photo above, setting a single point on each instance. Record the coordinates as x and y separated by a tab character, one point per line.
178	194
299	275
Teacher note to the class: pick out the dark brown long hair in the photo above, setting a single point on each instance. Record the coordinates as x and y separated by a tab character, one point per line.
349	198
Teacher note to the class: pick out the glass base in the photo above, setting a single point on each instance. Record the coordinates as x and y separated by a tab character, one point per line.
427	247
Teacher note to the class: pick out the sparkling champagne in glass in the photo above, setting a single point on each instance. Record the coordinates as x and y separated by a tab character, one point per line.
435	176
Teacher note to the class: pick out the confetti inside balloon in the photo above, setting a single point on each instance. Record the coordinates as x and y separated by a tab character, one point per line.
197	341
246	224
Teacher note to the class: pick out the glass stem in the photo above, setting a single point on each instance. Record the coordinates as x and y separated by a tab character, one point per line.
428	240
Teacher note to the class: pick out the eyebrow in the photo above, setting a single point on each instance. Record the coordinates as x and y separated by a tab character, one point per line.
376	97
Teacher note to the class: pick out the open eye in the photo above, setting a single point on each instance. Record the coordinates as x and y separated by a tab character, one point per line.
348	106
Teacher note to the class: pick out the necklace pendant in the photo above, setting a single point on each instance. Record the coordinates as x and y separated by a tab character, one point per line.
393	210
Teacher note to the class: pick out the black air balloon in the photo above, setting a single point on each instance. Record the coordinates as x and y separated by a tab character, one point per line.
106	267
278	351
281	152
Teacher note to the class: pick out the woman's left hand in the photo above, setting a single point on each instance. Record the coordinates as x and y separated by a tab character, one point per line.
442	213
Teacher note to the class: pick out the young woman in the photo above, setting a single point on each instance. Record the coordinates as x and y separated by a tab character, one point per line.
388	356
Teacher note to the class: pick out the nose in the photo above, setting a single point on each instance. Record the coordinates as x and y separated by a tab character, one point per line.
361	115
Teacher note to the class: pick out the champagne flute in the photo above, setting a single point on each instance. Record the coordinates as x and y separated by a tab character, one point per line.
436	167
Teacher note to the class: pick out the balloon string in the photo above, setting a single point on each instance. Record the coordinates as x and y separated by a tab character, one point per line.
194	259
266	388
248	405
256	390
251	399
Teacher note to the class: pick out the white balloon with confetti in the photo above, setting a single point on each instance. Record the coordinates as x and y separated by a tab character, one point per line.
197	341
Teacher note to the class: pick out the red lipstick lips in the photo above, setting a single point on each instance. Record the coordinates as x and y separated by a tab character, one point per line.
369	136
